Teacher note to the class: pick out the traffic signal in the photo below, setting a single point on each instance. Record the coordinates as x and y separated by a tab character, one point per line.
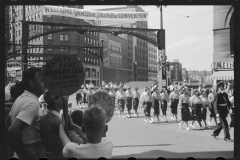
161	39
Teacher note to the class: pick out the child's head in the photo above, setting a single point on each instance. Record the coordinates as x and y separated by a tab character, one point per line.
77	117
94	123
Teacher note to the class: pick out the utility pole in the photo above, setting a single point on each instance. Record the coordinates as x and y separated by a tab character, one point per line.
101	64
25	33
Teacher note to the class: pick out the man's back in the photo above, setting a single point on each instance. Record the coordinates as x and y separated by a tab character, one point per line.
102	149
49	131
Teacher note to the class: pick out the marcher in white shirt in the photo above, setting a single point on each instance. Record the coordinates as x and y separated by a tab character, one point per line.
136	96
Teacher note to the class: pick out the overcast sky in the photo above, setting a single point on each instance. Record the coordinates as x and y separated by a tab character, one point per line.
188	39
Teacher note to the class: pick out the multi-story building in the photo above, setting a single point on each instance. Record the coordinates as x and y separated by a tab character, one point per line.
152	61
224	32
137	48
199	76
69	38
176	71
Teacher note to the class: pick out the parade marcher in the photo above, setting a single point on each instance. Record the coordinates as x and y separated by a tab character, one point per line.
25	115
136	96
200	88
221	105
128	95
112	94
211	108
164	97
196	105
147	102
171	87
120	102
156	104
206	105
231	125
79	96
228	90
84	94
183	106
174	98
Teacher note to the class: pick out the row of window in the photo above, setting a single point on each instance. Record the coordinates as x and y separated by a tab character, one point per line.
91	61
152	68
34	16
152	55
152	62
91	73
152	49
91	41
152	75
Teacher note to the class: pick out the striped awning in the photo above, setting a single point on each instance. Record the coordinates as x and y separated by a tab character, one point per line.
222	75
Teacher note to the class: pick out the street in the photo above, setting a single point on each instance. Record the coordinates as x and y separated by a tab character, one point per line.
134	138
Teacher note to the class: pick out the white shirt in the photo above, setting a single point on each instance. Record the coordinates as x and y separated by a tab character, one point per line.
102	149
27	109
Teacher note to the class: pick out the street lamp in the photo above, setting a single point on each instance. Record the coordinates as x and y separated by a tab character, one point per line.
101	63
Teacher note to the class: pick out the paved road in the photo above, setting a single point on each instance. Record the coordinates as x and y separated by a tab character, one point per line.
134	138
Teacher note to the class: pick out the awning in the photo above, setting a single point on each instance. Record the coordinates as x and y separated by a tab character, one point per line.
222	75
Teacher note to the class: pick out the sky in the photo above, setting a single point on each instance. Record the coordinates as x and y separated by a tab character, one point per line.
188	39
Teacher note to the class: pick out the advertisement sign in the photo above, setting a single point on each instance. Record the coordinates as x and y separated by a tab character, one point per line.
223	65
105	101
63	74
95	15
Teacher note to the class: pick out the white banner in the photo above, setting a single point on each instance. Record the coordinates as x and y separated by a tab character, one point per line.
95	15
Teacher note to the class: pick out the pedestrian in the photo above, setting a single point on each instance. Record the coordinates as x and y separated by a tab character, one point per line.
211	108
84	92
129	96
221	105
25	115
136	96
94	126
79	97
228	90
147	102
120	102
196	104
174	98
156	104
205	106
231	125
164	97
183	106
49	127
112	94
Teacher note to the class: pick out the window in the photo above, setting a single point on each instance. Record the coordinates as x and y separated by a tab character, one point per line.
50	48
39	14
61	49
29	18
66	49
96	43
18	12
19	32
16	33
36	15
66	37
90	41
85	39
19	23
32	17
29	8
49	36
61	37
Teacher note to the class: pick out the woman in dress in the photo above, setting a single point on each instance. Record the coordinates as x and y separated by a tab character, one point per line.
156	101
174	98
196	105
206	105
183	106
231	99
136	96
120	102
211	108
147	101
165	99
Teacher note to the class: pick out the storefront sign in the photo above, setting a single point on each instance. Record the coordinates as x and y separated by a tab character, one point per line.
223	65
95	15
105	101
63	75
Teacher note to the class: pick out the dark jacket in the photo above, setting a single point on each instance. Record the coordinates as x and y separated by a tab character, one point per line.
49	131
221	98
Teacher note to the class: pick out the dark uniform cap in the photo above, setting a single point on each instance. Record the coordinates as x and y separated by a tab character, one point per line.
195	90
220	83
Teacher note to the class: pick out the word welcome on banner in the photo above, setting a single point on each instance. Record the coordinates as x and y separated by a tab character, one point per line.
95	15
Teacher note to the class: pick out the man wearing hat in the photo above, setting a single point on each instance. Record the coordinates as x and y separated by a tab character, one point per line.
221	106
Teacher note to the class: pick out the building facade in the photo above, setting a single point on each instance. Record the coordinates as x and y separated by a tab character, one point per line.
176	71
152	61
69	38
137	48
223	34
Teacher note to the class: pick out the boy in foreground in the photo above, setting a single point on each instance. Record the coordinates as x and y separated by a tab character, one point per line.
94	126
